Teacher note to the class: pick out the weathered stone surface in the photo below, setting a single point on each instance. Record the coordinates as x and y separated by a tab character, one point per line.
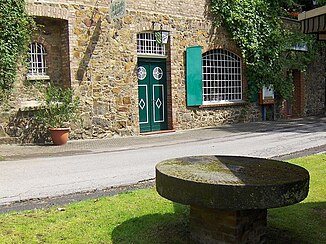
2	132
230	182
97	56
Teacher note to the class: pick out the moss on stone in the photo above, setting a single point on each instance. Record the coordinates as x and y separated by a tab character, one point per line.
232	170
230	182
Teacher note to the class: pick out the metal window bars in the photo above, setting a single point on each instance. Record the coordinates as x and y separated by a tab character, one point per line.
37	63
148	45
222	78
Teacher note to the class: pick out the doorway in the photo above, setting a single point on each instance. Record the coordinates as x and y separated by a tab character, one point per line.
152	94
295	108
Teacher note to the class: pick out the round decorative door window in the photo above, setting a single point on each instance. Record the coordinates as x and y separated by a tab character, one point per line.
157	73
141	73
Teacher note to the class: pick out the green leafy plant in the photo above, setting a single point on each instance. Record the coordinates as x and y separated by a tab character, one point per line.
15	26
321	2
60	107
256	27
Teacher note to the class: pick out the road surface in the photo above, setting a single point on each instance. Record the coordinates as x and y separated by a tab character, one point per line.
101	168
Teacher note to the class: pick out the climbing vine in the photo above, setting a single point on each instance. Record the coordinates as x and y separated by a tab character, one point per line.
15	27
256	27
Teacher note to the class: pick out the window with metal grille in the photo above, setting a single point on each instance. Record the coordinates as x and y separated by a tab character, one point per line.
222	78
37	63
147	45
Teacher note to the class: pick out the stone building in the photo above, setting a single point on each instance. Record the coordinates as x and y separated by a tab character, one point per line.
138	67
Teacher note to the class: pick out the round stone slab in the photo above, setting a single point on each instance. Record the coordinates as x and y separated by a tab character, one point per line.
231	182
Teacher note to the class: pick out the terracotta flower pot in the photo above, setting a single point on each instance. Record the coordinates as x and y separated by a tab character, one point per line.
294	14
59	135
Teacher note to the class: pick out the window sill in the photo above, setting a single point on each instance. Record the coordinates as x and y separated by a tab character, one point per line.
224	104
151	56
30	105
38	77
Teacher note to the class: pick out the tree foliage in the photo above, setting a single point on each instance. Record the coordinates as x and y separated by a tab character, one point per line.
258	30
15	27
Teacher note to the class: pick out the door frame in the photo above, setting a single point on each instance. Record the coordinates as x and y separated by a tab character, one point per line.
151	94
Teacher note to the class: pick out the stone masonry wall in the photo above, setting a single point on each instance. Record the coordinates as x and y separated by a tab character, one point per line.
51	34
315	86
312	96
190	32
17	112
100	63
103	61
182	8
103	71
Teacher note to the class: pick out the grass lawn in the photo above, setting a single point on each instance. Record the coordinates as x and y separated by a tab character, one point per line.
143	216
306	221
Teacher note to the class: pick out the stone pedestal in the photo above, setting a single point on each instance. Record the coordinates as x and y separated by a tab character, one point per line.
228	195
227	226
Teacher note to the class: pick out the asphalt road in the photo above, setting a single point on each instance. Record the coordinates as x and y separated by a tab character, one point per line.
100	169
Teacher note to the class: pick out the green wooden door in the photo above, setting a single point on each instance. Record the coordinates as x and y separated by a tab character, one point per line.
152	95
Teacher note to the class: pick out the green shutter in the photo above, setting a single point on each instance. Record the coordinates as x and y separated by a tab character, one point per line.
194	76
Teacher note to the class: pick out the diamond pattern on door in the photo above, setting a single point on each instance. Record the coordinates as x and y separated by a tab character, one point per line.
159	110
158	103
142	104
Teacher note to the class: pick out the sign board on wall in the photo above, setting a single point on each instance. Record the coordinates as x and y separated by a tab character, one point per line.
267	95
117	9
300	47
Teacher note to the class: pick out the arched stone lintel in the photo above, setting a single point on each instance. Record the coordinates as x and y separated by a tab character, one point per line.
48	11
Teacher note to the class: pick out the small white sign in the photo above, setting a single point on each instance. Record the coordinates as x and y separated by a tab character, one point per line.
300	47
267	95
165	37
118	9
268	92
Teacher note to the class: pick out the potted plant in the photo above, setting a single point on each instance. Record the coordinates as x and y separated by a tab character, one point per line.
59	110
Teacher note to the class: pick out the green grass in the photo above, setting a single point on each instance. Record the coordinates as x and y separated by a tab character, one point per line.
2	158
140	216
306	221
143	216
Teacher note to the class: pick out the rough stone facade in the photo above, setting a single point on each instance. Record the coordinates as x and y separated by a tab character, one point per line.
315	87
310	87
53	35
97	57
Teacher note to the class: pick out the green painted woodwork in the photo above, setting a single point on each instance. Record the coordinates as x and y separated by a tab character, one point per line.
194	76
152	102
143	111
158	93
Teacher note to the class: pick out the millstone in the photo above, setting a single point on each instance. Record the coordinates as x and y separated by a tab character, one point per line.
231	182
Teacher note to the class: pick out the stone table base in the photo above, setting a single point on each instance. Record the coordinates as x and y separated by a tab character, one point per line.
227	226
229	195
